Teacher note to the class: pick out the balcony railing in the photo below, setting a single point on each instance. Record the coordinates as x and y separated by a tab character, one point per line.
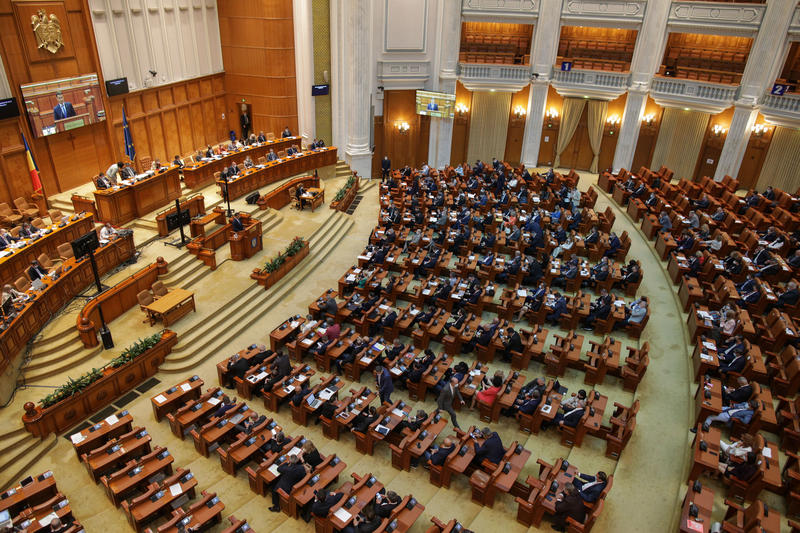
699	95
784	110
592	83
494	76
521	11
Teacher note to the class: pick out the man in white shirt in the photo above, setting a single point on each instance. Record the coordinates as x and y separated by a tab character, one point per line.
107	232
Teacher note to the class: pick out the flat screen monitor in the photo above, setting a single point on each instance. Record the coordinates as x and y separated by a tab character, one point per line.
173	221
8	108
117	86
62	105
84	244
318	90
433	104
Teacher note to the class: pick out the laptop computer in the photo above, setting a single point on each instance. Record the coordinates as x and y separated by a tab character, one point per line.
313	402
37	284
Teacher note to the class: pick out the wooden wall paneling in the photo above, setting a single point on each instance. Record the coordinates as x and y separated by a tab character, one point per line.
404	148
516	127
754	156
711	148
458	146
380	148
547	147
648	133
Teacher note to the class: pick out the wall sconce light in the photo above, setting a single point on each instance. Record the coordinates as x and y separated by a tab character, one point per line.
649	119
520	111
551	113
718	130
461	109
760	129
614	120
402	126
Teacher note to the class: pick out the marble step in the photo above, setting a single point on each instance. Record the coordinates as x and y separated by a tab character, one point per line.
54	365
28	450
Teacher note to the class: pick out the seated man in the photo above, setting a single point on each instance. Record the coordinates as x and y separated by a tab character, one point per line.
290	472
107	232
324	500
568	505
590	487
36	271
438	454
743	412
559	308
492	448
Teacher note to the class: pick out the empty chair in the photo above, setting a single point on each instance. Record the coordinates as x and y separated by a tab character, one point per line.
8	216
25	209
22	284
282	154
158	289
270	136
55	216
45	261
145	162
65	251
146	298
38	223
262	160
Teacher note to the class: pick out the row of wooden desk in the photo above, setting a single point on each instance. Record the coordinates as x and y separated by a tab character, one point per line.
14	261
34	502
123	203
46	303
257	177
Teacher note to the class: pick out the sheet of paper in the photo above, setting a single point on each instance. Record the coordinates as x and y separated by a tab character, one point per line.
366	360
344	515
396	371
213	401
398	412
175	489
301	378
186	387
709	345
766	452
45	522
706	357
160	398
307	341
77	438
111	420
293	324
273	469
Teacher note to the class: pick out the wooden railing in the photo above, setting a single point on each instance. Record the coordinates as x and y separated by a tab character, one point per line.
280	197
115	382
115	301
344	203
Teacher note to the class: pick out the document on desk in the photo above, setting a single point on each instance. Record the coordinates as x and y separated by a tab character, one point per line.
398	412
45	522
175	490
546	408
366	360
111	420
77	438
307	341
213	401
160	398
186	387
709	345
293	324
342	514
396	371
273	469
326	395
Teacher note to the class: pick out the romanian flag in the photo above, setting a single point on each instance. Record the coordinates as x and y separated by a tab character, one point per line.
130	151
32	168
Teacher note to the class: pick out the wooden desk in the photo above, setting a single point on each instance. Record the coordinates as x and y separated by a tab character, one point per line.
135	474
194	412
13	266
104	459
705	503
277	170
198	225
704	359
315	196
247	243
204	513
711	406
48	302
364	492
95	436
18	497
172	306
194	203
280	197
123	203
198	174
175	397
142	509
705	461
279	336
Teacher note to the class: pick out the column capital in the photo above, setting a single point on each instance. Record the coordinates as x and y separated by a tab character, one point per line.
748	103
639	87
540	79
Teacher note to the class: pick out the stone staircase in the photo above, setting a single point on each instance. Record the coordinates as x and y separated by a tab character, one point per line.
65	206
343	169
21	450
206	339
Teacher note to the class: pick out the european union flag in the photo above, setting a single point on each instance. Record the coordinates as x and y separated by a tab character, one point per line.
130	151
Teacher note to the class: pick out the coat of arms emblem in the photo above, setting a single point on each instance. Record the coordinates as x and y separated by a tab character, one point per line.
47	31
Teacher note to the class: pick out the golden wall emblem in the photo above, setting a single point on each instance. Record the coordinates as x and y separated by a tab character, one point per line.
47	31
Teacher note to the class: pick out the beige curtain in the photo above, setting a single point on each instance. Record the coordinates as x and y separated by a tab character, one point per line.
679	140
570	117
782	165
488	125
597	119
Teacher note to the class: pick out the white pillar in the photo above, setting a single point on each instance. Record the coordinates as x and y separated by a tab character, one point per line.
304	69
532	138
629	129
744	116
547	32
339	82
650	43
440	139
763	64
357	151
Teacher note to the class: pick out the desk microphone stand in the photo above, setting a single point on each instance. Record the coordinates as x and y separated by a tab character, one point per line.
105	333
229	212
178	244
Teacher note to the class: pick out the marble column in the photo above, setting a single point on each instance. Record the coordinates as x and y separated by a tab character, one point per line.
744	117
629	129
358	153
304	69
537	105
440	138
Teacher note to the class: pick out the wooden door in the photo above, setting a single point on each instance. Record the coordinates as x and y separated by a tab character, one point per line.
578	154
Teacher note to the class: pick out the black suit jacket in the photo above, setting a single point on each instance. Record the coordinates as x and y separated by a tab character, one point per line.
289	475
236	224
572	507
492	449
438	458
321	508
36	273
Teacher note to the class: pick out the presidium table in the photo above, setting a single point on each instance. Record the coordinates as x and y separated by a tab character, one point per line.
123	203
201	173
261	175
44	304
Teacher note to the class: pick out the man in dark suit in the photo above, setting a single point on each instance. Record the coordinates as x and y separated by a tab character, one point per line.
788	297
290	472
272	156
569	505
385	504
439	455
491	449
36	271
286	132
385	384
224	406
739	394
237	368
444	402
386	166
323	502
102	182
614	245
590	487
6	238
236	223
62	109
250	423
559	308
512	343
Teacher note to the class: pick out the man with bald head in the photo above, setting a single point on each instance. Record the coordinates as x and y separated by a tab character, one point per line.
440	453
445	400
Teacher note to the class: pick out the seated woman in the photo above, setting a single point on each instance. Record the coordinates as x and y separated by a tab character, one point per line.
488	396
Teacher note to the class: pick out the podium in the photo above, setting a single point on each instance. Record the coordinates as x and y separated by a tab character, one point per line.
245	244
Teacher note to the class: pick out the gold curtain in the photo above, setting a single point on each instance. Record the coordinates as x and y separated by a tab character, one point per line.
679	140
488	125
570	117
597	119
782	165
